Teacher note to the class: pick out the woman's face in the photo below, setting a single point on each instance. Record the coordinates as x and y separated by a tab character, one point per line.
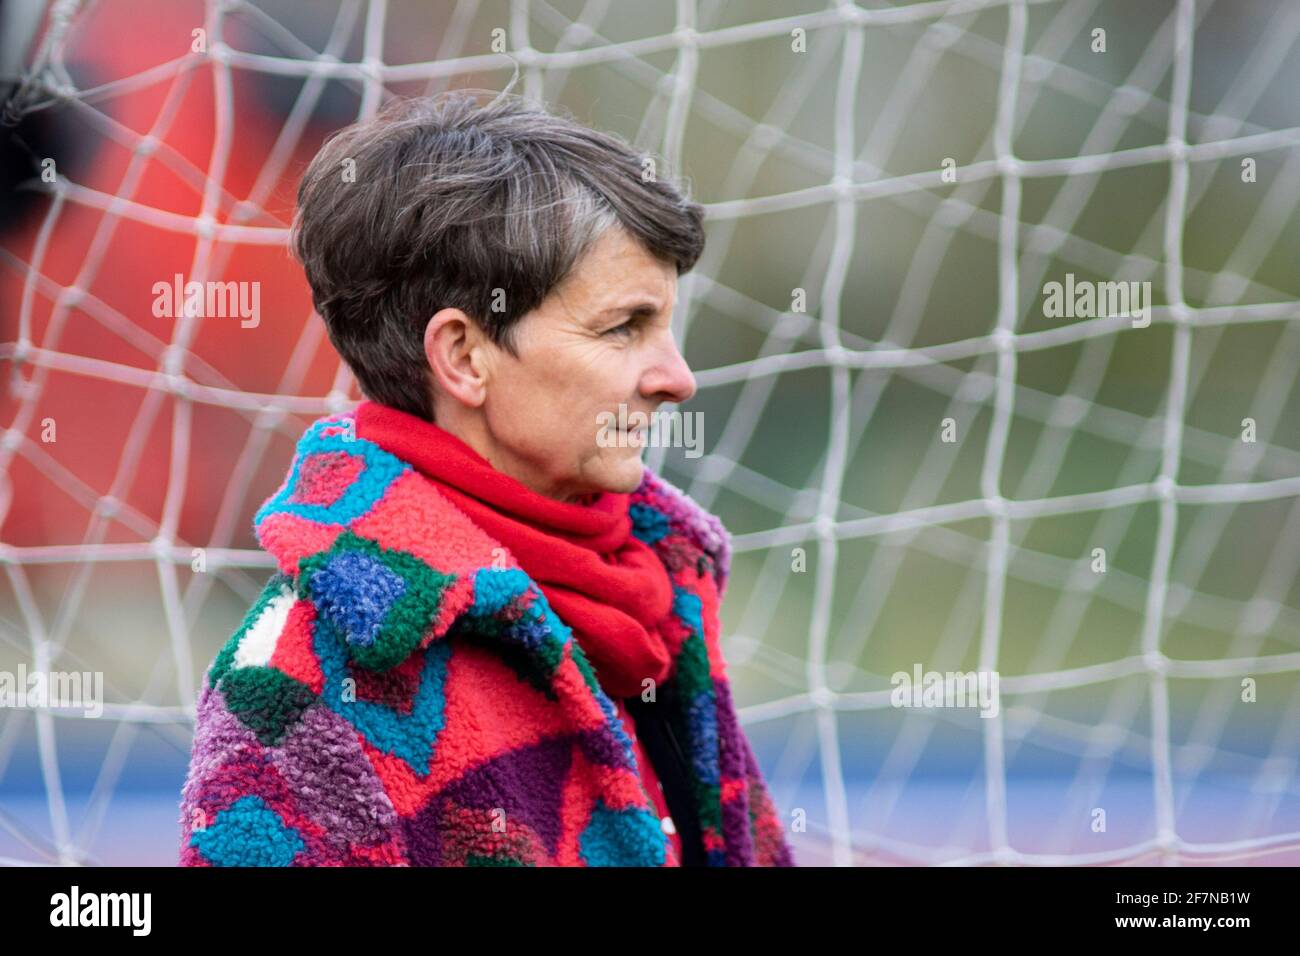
602	338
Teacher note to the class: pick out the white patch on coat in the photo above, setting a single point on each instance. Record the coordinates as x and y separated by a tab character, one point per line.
258	643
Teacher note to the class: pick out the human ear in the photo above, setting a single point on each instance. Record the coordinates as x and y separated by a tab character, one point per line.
454	347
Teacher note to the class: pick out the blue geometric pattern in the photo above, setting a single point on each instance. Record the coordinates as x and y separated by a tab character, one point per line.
628	837
412	736
356	591
496	589
379	471
689	609
380	601
248	833
648	524
703	746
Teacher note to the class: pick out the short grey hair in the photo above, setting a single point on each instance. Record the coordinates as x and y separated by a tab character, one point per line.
441	201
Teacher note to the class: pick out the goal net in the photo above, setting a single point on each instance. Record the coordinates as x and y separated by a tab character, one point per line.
996	336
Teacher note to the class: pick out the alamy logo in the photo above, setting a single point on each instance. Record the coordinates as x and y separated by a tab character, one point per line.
1098	300
201	300
657	430
102	909
946	689
74	690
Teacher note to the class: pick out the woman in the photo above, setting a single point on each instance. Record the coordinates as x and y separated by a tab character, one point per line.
492	638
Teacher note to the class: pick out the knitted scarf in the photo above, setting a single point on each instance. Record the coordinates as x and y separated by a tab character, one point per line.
607	585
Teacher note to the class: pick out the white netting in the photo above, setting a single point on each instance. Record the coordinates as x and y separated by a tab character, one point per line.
847	594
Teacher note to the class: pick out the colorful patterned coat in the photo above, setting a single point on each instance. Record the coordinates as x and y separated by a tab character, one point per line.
402	694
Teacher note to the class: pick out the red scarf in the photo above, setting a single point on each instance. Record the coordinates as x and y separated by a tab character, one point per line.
607	585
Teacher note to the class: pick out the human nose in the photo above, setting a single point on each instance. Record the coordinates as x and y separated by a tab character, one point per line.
670	379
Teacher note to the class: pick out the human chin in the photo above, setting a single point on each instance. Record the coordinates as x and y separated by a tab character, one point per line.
620	470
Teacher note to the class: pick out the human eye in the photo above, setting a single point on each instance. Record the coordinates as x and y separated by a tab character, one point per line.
625	329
